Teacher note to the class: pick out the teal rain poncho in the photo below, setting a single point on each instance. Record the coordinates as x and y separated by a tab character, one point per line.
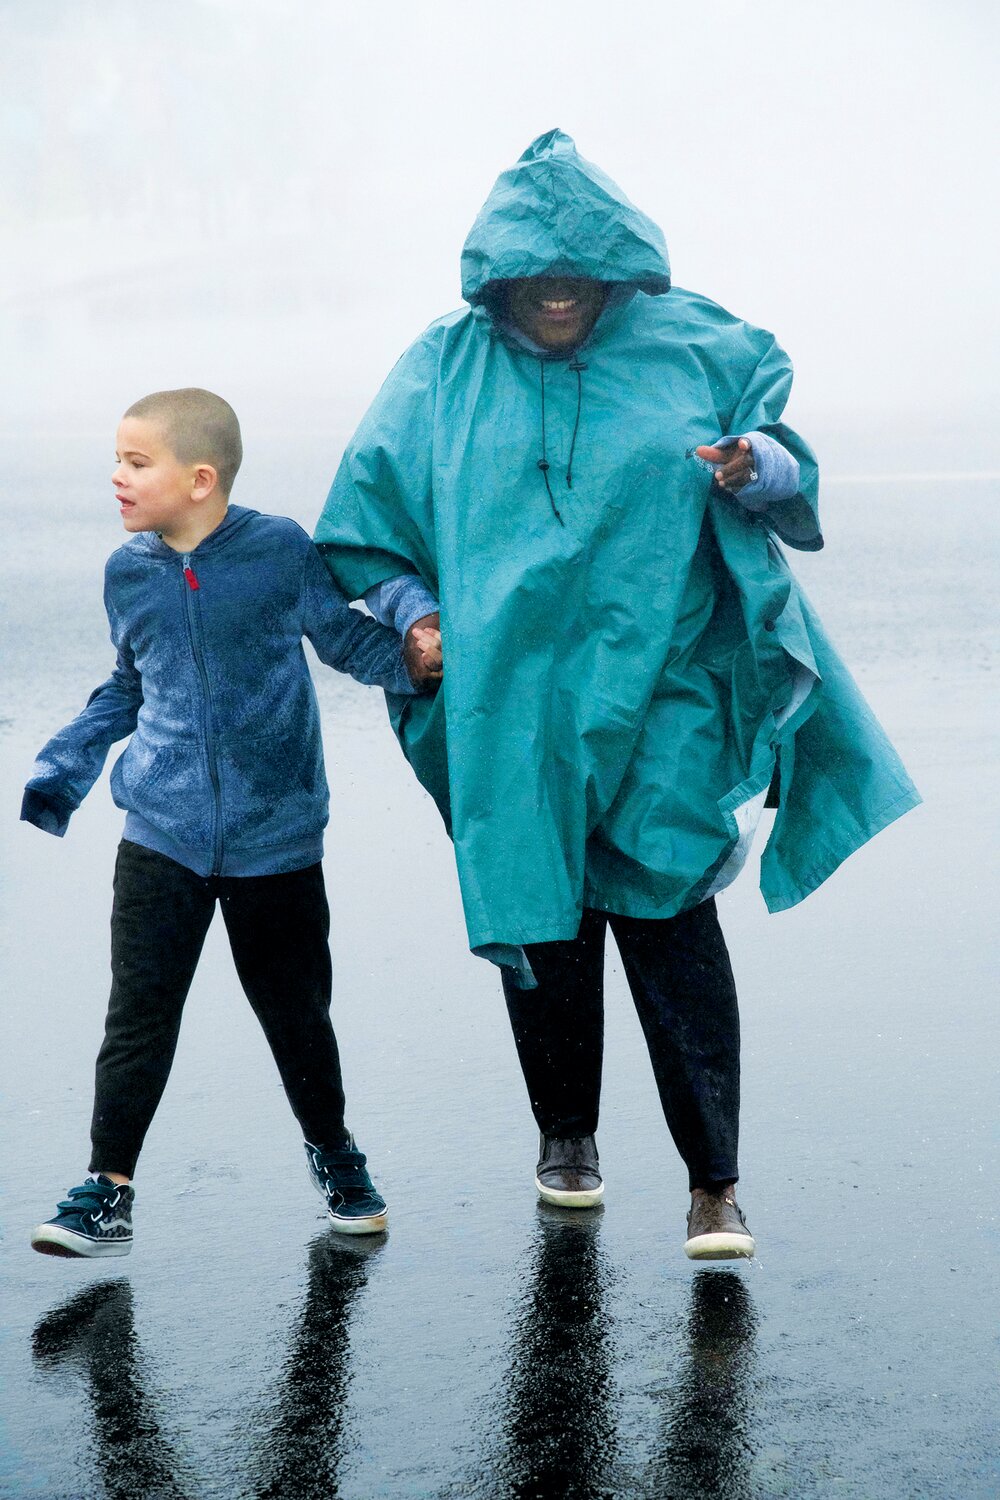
625	662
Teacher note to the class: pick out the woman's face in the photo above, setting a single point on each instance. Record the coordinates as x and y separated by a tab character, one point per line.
555	312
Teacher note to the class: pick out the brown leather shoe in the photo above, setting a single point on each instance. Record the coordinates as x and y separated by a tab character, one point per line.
568	1172
717	1229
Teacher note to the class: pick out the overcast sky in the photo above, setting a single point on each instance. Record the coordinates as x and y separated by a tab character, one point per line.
270	198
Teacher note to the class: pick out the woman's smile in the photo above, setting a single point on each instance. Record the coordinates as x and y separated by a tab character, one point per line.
555	312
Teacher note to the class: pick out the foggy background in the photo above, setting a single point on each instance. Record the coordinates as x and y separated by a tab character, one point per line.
269	199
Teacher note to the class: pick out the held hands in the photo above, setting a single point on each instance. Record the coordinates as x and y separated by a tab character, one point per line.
736	465
422	651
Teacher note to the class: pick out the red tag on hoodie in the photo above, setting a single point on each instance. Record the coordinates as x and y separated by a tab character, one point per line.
191	579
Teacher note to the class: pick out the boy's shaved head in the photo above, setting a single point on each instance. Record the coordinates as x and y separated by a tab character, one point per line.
198	427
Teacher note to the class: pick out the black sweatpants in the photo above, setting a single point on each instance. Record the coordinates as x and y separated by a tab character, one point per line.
278	928
681	981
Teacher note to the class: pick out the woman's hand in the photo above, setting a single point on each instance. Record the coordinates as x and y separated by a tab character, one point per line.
736	466
422	651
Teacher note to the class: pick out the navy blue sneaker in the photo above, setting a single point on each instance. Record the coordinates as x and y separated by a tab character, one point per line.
352	1204
94	1219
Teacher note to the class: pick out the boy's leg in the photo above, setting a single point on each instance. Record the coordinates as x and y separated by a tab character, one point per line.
559	1029
681	981
279	928
159	919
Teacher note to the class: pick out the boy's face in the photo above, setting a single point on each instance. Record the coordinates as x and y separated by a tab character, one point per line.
154	490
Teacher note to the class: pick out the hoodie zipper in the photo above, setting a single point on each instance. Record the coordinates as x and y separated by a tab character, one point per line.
191	588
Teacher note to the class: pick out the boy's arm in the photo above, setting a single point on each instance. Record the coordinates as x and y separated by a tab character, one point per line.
345	638
71	762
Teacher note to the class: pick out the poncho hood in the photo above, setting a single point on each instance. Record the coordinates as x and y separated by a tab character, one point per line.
556	214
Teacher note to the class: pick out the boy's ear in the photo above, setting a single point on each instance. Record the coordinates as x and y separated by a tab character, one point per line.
205	480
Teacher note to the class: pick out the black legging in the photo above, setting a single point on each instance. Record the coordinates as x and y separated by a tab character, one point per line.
278	928
681	981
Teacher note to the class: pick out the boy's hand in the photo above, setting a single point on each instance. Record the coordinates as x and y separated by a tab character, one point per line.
736	466
422	650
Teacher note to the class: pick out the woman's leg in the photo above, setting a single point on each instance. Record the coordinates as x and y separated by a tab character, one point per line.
159	919
682	983
559	1029
279	928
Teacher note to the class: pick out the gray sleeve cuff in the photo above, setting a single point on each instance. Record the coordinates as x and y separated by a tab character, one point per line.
777	471
401	601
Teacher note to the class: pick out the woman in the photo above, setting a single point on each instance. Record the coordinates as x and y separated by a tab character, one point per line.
588	470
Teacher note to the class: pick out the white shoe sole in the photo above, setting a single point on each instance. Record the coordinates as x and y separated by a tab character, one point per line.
49	1239
374	1224
589	1198
720	1247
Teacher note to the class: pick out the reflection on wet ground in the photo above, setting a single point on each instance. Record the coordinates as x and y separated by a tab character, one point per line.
294	1445
555	1413
302	1437
552	1430
707	1440
93	1334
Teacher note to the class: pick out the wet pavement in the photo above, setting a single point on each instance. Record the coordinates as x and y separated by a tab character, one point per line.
488	1346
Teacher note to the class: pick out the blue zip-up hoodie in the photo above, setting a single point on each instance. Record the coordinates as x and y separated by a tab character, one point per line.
224	770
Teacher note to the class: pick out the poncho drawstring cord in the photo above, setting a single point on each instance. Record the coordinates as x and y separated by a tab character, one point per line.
577	366
543	462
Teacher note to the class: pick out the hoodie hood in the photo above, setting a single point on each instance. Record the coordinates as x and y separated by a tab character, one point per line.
236	517
556	214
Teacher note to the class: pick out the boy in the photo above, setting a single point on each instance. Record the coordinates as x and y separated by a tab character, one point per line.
225	794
